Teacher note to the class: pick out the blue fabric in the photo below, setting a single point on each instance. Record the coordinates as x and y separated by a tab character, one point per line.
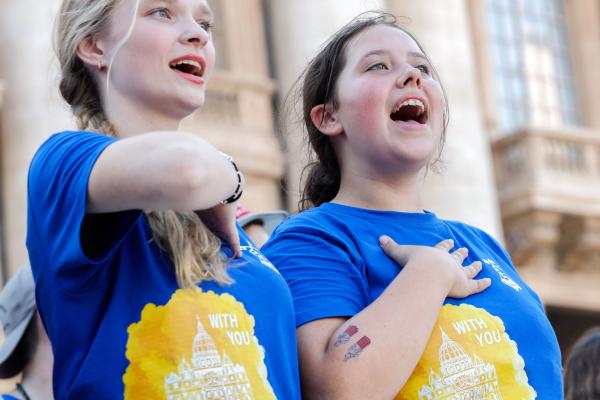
119	326
8	397
334	266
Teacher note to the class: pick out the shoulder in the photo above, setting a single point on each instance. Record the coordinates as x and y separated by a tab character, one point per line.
69	145
313	240
471	231
316	225
328	217
474	235
66	138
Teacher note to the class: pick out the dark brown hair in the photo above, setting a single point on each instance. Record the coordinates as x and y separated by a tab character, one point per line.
582	368
317	85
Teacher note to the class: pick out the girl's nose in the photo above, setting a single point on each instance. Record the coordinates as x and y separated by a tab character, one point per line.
194	33
412	76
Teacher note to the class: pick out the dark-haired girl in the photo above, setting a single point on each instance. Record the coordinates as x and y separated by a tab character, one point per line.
375	113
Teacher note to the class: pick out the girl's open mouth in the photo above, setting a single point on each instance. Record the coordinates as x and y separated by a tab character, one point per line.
410	110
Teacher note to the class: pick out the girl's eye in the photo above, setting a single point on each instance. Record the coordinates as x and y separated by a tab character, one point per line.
423	68
161	12
206	25
378	66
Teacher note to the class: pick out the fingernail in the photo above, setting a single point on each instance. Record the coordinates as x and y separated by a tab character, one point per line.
383	240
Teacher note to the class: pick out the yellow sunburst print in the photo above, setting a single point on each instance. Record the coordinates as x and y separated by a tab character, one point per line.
469	356
198	345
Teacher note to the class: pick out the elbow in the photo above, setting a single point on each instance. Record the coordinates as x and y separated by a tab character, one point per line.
338	382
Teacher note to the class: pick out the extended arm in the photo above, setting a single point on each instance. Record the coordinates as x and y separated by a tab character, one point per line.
158	171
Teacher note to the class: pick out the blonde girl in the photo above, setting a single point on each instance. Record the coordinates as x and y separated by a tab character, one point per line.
146	285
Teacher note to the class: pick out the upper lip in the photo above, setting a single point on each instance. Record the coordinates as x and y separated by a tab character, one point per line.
191	57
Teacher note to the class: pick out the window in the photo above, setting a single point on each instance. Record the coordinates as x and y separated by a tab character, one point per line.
530	60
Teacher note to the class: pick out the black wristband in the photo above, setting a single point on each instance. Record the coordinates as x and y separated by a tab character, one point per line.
237	193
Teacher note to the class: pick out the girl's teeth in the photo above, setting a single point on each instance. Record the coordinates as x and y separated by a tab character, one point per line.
412	102
188	62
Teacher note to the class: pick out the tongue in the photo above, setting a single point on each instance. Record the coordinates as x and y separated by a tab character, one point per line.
406	114
186	69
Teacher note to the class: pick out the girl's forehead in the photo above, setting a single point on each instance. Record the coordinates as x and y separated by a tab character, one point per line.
384	37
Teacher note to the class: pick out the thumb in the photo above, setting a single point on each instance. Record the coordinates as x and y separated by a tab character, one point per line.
233	239
399	253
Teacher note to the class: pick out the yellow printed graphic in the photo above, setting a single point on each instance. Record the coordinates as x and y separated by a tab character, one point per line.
199	345
469	356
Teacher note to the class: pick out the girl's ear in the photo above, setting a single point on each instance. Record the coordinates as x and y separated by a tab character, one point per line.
91	52
325	120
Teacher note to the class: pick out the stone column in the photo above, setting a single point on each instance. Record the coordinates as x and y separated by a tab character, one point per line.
2	233
297	30
583	28
32	108
466	189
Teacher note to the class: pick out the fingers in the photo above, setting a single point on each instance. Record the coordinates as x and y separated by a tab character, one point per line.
479	285
234	242
472	270
446	245
461	254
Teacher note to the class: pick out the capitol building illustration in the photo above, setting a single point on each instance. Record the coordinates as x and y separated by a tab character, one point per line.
461	377
209	376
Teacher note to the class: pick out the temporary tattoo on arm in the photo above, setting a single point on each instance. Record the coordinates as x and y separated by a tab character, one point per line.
357	348
344	337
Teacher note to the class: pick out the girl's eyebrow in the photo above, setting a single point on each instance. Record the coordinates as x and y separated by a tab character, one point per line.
416	54
204	8
159	1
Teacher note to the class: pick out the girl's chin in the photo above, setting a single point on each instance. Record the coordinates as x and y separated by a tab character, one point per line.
182	106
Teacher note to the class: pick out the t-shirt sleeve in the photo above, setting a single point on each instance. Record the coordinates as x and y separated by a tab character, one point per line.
57	198
325	276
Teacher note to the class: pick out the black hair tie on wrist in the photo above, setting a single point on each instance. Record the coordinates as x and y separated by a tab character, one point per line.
23	392
237	193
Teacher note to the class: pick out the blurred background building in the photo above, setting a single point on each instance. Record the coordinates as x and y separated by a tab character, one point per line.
523	150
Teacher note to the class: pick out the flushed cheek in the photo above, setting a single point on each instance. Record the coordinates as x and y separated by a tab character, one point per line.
436	105
365	110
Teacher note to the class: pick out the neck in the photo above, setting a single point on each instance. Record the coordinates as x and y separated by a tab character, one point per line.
130	118
397	193
37	375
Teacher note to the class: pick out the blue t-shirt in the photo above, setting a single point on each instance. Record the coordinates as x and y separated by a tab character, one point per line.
492	345
119	325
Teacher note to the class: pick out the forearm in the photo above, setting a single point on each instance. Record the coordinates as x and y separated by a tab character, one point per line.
387	341
160	170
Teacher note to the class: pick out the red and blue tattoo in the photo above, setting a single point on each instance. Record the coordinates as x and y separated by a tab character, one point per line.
345	337
356	348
